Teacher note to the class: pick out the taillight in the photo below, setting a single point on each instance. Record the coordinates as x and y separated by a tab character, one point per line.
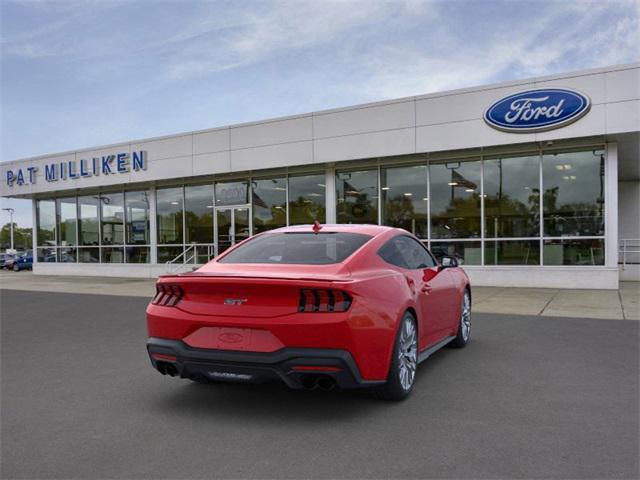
321	300
167	295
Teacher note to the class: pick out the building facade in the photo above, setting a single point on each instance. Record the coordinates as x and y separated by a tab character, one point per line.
528	183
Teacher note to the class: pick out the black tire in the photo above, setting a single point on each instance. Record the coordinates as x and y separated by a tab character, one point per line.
393	389
16	268
464	323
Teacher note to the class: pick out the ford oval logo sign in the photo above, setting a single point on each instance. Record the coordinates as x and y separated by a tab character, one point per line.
537	110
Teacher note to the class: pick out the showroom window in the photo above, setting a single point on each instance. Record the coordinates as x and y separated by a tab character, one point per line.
46	230
573	207
198	217
232	193
112	227
67	215
455	199
170	223
357	196
512	252
512	196
269	201
307	199
137	249
88	229
573	198
405	199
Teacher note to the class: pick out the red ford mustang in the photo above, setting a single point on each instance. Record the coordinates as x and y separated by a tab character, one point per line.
314	306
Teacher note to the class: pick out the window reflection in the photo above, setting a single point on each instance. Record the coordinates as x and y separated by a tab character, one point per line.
198	213
357	197
307	199
137	218
467	253
512	197
573	198
574	252
455	200
88	221
46	217
67	213
112	218
169	207
89	255
512	252
405	201
137	254
269	199
232	193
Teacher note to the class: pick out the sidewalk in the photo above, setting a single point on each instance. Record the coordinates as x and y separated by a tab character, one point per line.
623	304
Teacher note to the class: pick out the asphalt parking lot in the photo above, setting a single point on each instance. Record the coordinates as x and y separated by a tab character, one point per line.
530	397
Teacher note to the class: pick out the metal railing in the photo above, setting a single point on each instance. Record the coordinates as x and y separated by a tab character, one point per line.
189	256
629	251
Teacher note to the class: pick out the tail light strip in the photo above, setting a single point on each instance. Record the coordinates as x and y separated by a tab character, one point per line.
321	300
167	295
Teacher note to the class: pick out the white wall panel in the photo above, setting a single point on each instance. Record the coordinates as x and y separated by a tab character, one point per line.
592	85
623	85
272	132
212	141
469	134
623	116
366	145
283	155
166	169
465	106
166	147
593	123
210	163
361	120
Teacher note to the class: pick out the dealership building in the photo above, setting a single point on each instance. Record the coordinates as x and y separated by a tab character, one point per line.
530	183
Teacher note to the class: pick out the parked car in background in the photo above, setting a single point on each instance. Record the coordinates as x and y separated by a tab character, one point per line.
23	262
7	260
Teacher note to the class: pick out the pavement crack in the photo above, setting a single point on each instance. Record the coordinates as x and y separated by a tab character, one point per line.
547	304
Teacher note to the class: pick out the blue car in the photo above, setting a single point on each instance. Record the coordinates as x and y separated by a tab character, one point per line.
23	262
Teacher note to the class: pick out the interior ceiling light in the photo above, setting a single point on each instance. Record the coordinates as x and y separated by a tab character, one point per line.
452	184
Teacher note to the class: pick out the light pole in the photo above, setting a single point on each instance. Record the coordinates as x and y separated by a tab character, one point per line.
11	212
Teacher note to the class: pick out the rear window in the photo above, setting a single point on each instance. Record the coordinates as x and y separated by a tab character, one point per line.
298	248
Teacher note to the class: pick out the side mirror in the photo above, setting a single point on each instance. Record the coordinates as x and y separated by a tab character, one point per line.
448	262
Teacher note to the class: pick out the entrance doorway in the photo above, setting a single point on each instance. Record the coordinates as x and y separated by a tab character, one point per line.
232	226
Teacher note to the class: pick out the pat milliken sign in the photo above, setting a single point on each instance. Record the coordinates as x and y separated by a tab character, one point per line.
537	110
115	164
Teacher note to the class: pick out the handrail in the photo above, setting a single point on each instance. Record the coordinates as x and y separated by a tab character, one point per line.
626	246
189	255
191	247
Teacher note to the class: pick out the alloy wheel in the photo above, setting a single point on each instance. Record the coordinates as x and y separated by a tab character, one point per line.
408	354
465	317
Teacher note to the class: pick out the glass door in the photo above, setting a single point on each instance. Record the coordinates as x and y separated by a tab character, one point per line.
232	226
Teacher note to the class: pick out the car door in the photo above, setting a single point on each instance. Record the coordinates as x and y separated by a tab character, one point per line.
435	288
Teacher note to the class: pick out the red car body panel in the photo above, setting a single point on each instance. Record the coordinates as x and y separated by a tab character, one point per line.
254	307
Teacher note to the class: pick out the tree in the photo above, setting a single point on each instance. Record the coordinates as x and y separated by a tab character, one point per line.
21	237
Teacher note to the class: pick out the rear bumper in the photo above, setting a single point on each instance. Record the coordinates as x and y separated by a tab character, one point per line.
293	366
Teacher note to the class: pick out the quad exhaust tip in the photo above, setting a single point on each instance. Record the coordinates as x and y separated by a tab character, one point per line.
166	368
322	382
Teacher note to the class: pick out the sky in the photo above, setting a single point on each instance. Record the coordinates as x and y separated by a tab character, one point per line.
87	73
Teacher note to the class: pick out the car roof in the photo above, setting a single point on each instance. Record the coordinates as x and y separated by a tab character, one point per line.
365	229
